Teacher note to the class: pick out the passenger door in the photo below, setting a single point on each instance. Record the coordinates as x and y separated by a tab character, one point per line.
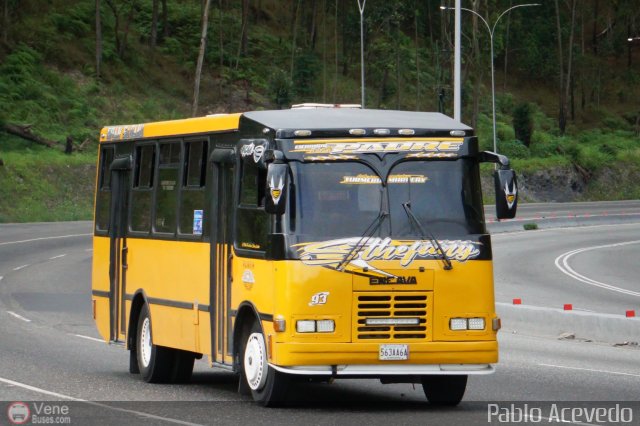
221	254
120	170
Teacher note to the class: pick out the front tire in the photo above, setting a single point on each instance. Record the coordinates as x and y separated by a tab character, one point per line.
154	362
444	390
268	386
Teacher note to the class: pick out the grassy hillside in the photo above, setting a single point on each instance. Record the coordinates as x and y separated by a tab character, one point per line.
48	82
39	184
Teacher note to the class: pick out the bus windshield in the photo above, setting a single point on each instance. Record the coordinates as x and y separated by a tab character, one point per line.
340	200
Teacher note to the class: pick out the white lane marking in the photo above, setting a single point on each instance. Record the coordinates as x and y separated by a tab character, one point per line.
20	317
88	338
1	278
95	404
562	263
592	370
45	238
58	256
88	249
20	267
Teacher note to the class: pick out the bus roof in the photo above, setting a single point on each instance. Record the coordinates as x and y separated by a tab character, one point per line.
349	118
290	119
211	123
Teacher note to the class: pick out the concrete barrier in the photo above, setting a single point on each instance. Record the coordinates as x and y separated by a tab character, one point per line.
554	322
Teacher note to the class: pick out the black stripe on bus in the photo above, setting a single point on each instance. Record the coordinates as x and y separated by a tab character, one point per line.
100	293
263	317
171	303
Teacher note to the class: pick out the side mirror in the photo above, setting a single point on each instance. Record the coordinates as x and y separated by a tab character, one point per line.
506	187
277	185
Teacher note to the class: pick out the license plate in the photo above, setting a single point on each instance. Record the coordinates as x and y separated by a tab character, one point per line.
393	352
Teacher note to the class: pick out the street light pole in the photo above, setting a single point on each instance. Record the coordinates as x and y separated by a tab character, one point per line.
491	33
361	9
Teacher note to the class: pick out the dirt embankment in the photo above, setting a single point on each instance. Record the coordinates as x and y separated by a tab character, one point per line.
564	184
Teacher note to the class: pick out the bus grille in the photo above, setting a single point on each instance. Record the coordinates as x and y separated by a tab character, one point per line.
392	305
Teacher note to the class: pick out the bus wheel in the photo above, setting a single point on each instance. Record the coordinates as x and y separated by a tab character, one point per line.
444	390
268	386
155	362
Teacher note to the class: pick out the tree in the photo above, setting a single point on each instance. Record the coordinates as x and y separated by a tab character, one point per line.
5	22
121	33
523	123
242	46
203	45
98	40
165	19
294	32
154	25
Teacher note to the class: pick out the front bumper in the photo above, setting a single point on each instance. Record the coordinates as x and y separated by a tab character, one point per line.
428	356
387	370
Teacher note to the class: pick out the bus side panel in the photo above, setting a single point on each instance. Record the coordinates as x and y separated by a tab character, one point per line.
100	283
175	278
254	281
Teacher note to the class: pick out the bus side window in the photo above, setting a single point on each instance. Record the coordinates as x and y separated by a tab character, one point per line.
193	181
103	198
142	193
252	224
167	189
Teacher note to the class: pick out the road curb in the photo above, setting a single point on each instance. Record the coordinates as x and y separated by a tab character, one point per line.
554	322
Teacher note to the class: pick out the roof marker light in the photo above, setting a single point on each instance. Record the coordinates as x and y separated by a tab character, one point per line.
357	132
382	132
457	133
302	133
406	132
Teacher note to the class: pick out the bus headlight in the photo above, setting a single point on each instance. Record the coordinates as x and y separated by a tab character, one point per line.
305	326
313	326
325	326
458	324
476	323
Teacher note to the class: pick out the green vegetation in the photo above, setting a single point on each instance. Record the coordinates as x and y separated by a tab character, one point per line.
530	226
271	54
39	184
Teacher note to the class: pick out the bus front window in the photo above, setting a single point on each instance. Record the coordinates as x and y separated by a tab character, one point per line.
340	200
335	200
445	197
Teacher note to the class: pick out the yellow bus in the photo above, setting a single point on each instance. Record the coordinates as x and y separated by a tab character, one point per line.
316	242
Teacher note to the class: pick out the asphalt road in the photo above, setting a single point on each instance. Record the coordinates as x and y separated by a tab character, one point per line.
48	350
553	215
594	268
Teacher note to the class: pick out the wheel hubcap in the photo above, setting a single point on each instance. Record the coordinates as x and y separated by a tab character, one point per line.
255	361
145	342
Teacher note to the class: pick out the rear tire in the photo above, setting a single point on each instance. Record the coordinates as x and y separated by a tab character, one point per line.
444	391
154	362
268	386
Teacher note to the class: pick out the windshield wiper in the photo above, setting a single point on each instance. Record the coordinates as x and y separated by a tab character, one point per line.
364	239
434	241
